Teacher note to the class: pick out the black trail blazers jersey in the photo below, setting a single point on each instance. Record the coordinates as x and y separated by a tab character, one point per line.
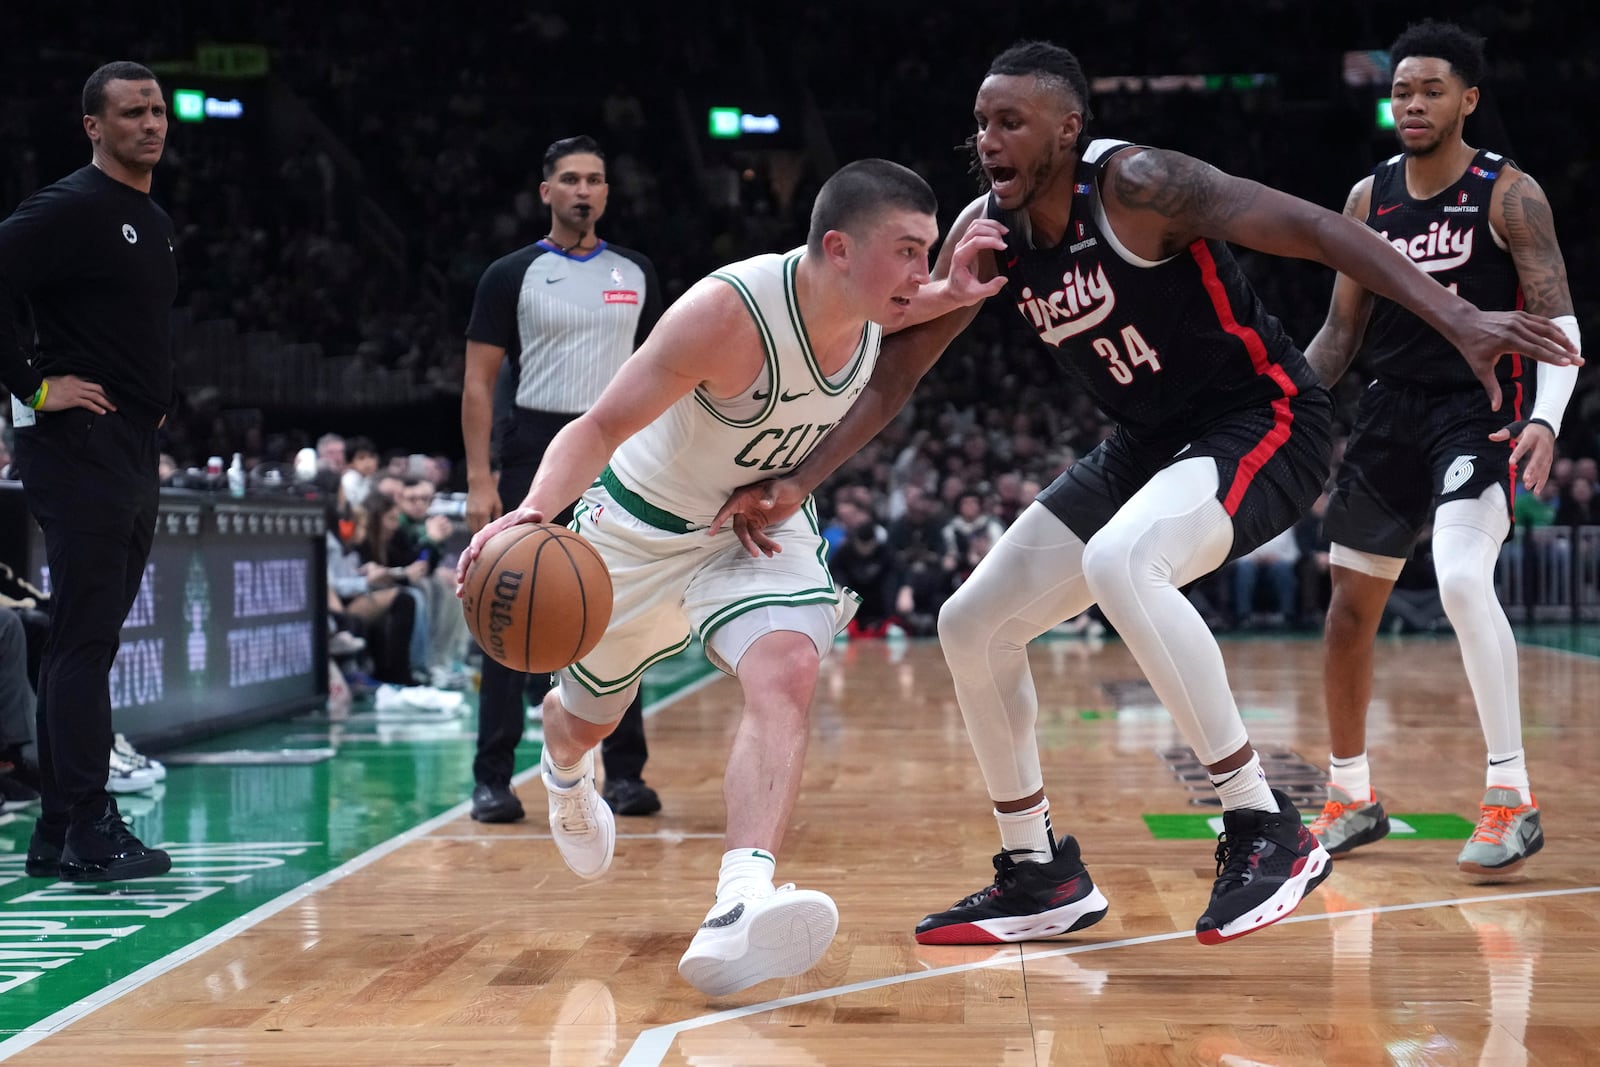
1164	347
1449	237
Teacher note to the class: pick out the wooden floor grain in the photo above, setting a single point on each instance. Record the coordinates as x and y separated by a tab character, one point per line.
475	946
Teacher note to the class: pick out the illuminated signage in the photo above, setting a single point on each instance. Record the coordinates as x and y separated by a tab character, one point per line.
193	105
728	123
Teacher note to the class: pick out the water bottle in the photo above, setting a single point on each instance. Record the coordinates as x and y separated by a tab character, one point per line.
236	476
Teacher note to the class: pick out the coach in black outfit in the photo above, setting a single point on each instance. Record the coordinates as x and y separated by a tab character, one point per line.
93	256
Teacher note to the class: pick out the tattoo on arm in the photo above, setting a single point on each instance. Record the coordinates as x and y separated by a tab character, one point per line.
1531	232
1194	194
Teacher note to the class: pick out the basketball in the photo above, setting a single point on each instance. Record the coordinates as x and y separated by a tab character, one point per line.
537	598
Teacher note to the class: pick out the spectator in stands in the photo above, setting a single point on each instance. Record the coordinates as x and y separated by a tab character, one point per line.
19	750
392	606
867	565
1578	507
1276	559
330	453
969	523
356	481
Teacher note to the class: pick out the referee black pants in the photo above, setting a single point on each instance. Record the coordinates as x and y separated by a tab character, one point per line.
500	692
91	482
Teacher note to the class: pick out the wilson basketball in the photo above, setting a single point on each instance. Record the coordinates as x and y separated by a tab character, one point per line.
537	598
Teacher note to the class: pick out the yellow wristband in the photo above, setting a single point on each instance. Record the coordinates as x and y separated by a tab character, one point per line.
37	401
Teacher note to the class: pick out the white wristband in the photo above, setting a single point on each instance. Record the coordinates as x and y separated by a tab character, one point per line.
1554	384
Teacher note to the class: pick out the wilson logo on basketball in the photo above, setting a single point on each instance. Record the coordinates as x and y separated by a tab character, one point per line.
621	296
507	584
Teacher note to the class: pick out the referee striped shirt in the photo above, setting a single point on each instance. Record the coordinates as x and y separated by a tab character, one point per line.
566	321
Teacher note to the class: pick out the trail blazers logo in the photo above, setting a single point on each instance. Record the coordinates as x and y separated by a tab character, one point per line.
1460	470
1083	302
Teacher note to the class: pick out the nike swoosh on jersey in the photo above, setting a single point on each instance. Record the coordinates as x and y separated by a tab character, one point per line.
1385	210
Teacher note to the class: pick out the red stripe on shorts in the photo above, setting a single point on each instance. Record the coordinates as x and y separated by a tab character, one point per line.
1282	415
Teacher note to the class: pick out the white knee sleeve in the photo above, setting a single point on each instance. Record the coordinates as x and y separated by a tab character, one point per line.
1171	532
1030	581
1467	535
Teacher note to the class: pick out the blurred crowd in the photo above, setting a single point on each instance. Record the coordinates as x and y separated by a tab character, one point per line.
399	163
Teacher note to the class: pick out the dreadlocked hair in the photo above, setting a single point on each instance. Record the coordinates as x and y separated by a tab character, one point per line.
1057	70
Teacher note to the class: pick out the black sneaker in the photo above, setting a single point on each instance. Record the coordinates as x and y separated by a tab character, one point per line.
1026	901
1267	861
44	851
105	850
630	796
496	803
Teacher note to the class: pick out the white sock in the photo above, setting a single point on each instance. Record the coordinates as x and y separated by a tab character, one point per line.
1027	834
564	777
1509	769
1245	788
746	871
1352	774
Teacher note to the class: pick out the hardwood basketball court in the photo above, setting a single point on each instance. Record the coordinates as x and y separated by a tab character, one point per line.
465	944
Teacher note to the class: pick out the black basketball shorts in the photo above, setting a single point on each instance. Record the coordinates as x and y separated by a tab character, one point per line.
1272	462
1410	451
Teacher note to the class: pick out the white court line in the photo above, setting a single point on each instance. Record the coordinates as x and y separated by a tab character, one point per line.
151	971
657	835
651	1046
59	1020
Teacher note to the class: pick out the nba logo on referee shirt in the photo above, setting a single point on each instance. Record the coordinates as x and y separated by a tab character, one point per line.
1460	470
616	277
129	234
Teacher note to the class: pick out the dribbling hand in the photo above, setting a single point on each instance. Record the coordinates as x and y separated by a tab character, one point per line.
512	518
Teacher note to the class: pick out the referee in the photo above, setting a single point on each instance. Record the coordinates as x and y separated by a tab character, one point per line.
92	254
569	309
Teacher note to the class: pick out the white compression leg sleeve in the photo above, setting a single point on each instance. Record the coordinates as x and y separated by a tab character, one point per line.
1031	580
1171	532
1467	535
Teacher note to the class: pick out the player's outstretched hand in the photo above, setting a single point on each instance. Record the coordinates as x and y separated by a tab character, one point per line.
1486	336
1534	453
965	286
511	518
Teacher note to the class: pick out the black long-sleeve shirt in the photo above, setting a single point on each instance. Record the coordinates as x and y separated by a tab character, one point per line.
93	257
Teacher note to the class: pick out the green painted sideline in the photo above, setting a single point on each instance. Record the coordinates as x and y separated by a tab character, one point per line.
241	836
1419	826
1580	640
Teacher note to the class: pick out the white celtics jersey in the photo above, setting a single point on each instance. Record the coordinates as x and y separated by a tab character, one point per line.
678	471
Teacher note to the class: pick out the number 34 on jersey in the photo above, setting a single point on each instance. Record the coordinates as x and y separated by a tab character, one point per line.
1121	359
